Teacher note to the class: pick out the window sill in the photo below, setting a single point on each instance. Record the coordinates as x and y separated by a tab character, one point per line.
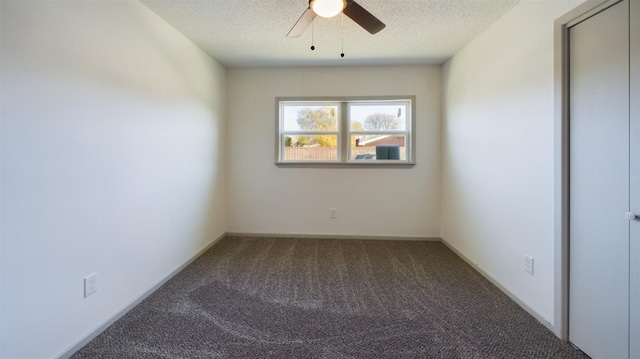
364	164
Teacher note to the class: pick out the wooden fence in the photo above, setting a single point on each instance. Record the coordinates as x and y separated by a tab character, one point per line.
326	153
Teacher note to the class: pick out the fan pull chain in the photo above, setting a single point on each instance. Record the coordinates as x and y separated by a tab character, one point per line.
342	31
313	27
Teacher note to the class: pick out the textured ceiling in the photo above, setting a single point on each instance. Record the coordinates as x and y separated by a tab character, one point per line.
252	33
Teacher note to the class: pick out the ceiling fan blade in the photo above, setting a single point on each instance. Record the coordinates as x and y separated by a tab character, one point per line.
362	17
303	22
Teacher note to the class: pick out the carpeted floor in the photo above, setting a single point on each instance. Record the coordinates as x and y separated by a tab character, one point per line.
324	298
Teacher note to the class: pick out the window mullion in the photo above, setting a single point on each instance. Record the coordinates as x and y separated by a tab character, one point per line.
344	148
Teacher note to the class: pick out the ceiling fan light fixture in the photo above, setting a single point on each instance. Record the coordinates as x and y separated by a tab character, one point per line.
328	8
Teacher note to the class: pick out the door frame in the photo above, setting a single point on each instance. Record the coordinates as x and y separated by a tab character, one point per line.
561	155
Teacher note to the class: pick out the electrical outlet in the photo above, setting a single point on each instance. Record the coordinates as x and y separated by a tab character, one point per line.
334	213
90	284
528	264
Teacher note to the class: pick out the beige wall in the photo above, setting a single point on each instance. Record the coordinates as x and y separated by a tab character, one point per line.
498	159
263	198
112	162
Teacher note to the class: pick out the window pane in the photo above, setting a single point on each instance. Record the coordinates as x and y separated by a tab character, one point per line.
310	118
382	147
310	148
378	117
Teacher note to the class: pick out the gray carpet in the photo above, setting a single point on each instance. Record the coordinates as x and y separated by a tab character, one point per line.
323	298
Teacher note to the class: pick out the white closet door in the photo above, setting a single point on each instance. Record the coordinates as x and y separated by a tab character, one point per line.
599	184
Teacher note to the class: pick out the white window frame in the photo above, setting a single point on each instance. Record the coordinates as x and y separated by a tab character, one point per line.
282	134
344	132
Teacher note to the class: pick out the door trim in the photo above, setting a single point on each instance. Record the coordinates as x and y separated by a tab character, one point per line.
561	157
634	118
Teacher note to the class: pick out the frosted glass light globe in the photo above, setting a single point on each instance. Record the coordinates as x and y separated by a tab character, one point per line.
327	8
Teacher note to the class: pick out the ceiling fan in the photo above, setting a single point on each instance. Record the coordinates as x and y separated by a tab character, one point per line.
330	8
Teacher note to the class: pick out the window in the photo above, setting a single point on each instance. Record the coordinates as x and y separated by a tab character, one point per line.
356	131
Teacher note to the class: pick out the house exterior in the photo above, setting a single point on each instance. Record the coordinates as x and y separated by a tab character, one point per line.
388	140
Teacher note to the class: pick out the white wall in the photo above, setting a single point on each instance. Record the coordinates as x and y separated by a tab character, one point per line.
263	198
112	161
498	159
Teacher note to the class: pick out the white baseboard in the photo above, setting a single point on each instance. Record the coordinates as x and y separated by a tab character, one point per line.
524	306
71	349
331	236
